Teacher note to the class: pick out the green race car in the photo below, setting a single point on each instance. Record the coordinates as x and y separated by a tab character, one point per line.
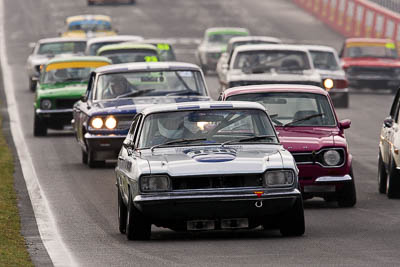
62	82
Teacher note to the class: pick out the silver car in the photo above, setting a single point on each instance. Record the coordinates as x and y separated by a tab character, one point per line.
94	44
204	166
270	64
214	43
327	64
45	49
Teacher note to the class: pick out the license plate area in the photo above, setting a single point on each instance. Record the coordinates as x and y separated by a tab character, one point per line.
236	223
319	188
200	225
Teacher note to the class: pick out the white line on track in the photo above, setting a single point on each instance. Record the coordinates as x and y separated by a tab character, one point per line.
48	230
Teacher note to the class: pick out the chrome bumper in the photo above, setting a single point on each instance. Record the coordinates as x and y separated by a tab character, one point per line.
333	179
53	111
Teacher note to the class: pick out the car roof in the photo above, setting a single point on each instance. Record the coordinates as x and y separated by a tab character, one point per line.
115	38
255	47
78	59
60	39
203	105
368	40
254	38
87	17
226	29
323	48
147	66
126	46
274	88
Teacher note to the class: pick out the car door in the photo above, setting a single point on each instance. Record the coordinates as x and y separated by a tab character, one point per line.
393	137
127	158
390	125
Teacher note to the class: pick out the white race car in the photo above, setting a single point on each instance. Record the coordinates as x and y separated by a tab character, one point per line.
267	64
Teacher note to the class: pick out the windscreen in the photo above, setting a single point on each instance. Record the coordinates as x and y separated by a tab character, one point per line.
66	75
324	60
271	60
150	83
89	25
62	48
224	37
293	109
377	50
207	127
96	46
131	55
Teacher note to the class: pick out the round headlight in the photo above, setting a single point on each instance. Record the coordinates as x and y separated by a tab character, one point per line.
45	104
332	157
328	84
96	123
111	123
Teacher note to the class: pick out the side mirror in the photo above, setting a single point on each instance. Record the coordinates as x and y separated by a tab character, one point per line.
128	145
344	124
388	122
83	98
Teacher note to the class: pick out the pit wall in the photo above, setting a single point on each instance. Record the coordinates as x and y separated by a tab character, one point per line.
355	18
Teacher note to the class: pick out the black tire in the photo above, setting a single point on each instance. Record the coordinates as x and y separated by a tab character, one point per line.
347	196
92	163
122	213
392	182
84	157
32	85
39	127
137	227
292	222
382	175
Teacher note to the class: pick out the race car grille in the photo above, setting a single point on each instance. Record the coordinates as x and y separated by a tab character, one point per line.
217	181
316	157
65	103
243	83
375	71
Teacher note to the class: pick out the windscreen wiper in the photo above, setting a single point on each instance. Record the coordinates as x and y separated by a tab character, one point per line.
178	141
304	119
252	138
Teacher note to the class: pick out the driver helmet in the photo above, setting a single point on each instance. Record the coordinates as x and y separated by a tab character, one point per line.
170	127
119	84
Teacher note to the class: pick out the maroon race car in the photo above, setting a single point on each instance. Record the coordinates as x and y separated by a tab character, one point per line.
308	127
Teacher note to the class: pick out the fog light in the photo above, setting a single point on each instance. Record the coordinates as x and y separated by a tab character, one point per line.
97	123
45	104
111	123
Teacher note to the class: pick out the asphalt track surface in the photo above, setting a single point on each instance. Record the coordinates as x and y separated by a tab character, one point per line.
84	201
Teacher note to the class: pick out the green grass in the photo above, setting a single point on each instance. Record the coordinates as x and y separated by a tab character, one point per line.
13	251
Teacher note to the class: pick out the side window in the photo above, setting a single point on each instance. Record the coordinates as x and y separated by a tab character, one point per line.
394	110
133	130
341	53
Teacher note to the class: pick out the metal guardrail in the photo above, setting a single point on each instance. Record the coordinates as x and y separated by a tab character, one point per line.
393	5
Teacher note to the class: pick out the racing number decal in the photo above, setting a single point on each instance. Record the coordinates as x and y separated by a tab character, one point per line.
163	46
150	58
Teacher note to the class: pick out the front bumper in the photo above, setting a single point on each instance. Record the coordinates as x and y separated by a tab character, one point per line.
104	146
181	206
373	82
55	118
325	184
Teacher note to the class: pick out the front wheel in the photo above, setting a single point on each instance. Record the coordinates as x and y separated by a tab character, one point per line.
392	182
92	162
122	213
137	227
292	222
382	175
39	127
32	85
84	157
347	196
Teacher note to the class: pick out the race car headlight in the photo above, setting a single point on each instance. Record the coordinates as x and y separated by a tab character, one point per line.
97	123
111	122
279	178
332	157
45	104
328	84
154	183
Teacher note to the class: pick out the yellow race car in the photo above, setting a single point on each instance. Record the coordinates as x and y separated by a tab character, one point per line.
88	26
